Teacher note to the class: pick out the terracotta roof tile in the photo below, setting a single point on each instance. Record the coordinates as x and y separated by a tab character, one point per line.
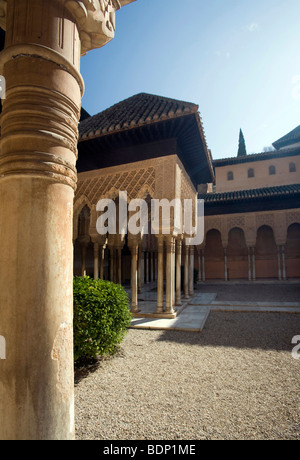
138	110
253	194
289	139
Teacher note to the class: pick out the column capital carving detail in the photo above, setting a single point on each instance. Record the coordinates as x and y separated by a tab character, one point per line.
95	19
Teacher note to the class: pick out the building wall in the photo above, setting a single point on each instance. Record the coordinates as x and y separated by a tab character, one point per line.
272	238
262	177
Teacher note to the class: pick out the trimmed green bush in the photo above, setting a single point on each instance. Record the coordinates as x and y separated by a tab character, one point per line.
101	317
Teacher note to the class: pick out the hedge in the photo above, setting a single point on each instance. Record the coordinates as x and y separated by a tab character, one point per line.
101	317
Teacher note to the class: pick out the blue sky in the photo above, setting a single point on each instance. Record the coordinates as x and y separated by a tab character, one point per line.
239	60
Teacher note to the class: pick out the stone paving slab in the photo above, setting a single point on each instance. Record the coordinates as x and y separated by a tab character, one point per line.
191	319
203	299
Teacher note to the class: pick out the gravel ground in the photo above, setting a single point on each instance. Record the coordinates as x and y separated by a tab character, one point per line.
235	380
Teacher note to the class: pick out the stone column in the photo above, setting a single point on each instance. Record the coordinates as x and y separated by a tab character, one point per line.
186	273
39	133
96	261
191	271
139	270
134	279
279	263
170	248
199	266
102	257
160	276
203	265
178	271
253	264
225	265
283	263
249	265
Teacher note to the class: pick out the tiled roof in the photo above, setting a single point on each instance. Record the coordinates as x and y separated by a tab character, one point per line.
257	157
288	139
138	110
254	194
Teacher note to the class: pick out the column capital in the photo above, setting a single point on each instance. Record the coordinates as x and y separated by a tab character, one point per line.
95	19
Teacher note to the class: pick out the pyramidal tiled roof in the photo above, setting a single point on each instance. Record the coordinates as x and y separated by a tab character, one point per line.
136	111
290	138
266	192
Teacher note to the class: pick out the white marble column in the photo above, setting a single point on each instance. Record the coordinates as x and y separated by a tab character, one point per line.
178	271
170	276
191	271
160	276
134	278
186	273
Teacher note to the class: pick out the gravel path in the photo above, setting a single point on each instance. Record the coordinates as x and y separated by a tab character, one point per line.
235	380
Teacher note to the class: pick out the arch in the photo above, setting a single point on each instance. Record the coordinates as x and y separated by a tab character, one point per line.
292	251
266	253
237	253
78	207
214	255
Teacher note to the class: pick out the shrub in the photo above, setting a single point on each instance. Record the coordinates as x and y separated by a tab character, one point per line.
101	317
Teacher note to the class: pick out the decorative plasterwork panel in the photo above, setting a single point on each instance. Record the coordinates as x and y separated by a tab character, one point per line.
137	183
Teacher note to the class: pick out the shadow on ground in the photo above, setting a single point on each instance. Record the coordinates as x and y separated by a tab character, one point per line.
266	331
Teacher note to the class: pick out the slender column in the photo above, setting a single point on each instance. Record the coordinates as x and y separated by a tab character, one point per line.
249	265
178	271
160	276
225	265
149	267
154	266
170	248
191	272
253	264
283	263
146	267
139	270
134	281
102	256
199	266
83	259
203	265
279	263
186	273
96	261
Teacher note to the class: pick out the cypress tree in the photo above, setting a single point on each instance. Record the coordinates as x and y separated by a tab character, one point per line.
242	145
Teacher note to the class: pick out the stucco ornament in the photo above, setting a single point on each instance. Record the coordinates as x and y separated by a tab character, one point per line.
95	19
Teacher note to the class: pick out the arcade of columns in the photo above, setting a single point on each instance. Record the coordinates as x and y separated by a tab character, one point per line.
39	133
153	257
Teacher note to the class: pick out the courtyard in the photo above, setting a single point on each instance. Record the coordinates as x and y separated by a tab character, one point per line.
236	379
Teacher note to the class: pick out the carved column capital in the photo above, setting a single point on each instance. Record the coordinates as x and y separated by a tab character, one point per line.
95	19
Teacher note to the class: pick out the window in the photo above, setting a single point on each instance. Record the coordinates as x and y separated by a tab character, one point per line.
230	175
251	172
272	170
292	167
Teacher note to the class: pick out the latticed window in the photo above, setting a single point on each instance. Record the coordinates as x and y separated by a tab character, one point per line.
272	170
292	167
230	175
